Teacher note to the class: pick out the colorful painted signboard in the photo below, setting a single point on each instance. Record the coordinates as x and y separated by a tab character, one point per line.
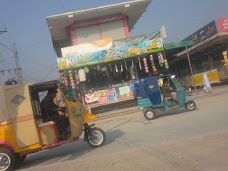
102	97
108	96
91	98
113	54
111	95
204	33
223	24
98	45
125	90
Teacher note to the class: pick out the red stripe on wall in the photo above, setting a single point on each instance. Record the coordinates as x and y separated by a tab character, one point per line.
99	28
73	36
126	29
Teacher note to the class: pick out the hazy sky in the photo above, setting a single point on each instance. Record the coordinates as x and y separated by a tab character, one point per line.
27	27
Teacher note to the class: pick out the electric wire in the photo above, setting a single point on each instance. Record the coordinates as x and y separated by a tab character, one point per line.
5	46
49	73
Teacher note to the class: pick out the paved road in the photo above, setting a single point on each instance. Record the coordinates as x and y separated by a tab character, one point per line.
131	134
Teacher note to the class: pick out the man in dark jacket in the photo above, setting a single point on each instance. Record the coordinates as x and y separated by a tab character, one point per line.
50	110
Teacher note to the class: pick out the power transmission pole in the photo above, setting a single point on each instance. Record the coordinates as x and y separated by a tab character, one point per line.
17	62
18	67
1	32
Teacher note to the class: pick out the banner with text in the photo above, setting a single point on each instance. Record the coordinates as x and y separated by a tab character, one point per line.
84	48
223	24
113	54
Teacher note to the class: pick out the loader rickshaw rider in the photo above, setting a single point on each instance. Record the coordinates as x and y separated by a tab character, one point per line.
50	110
169	92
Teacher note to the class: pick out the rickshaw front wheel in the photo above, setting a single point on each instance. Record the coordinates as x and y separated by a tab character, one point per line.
96	137
149	114
7	160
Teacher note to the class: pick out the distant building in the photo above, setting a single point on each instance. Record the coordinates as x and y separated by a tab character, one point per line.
209	54
85	26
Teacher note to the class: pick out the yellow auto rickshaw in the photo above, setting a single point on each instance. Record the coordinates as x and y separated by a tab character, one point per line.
22	130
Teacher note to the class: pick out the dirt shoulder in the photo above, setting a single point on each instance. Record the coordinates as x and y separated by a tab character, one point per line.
202	153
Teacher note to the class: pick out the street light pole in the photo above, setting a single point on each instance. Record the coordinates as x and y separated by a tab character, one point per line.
193	81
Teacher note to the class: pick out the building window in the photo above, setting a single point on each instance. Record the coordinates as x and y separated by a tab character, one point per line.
114	30
87	34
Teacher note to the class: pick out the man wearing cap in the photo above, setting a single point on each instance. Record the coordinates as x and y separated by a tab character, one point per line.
50	112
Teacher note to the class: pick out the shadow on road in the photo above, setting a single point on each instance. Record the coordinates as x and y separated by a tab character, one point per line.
53	155
113	135
66	152
114	106
172	112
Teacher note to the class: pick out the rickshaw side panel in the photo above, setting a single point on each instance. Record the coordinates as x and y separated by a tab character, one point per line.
148	92
75	112
7	140
181	95
18	127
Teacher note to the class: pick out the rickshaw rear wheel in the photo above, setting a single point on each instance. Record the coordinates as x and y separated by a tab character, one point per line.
7	160
149	114
190	105
96	137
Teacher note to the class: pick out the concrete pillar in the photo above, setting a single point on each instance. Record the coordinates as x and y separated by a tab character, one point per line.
176	71
211	62
194	68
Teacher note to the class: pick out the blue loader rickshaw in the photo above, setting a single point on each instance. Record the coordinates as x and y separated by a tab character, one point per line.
150	98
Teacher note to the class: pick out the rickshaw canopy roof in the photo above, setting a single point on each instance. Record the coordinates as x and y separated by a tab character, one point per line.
40	86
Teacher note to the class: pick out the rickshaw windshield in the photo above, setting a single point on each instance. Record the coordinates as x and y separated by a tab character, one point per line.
173	82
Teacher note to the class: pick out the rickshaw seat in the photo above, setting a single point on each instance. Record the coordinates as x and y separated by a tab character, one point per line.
168	98
48	133
46	124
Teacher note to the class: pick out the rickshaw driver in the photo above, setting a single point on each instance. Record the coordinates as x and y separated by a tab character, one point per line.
169	92
50	110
